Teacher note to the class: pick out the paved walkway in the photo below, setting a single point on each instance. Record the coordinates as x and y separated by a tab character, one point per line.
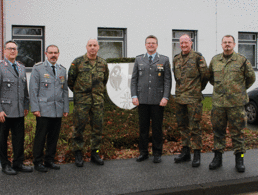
131	177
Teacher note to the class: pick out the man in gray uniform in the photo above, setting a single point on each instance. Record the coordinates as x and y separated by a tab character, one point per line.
14	106
150	90
49	102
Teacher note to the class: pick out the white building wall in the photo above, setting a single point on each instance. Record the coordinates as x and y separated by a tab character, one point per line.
69	24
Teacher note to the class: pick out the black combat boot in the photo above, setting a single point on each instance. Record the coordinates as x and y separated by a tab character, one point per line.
96	158
197	158
217	161
240	162
78	158
184	156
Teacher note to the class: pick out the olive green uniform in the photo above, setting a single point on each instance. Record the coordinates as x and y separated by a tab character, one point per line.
87	79
231	76
191	75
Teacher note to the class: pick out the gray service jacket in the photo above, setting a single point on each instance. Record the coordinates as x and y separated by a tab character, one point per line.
151	81
48	93
14	95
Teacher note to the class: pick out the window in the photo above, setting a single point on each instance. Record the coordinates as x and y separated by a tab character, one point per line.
176	34
112	42
30	40
247	43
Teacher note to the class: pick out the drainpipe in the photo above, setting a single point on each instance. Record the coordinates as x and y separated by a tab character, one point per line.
216	13
2	28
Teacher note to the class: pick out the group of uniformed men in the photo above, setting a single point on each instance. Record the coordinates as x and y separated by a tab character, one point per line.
48	98
230	74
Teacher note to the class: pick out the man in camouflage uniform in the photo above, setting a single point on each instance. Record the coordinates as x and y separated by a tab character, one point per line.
231	75
191	75
87	78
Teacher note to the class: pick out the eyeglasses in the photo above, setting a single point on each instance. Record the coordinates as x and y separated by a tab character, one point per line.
227	42
11	48
53	53
149	43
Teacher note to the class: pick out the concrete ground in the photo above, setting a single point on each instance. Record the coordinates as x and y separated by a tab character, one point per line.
131	177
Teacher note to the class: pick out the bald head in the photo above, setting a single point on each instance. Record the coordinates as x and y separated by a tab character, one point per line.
92	48
186	37
185	43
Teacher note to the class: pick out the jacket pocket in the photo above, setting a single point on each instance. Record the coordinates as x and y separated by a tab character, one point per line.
6	105
8	84
46	84
141	70
192	71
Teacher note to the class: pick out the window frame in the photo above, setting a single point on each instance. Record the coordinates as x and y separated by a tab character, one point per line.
31	38
250	42
122	39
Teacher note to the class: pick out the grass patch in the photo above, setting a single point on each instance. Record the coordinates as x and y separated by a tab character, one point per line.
207	104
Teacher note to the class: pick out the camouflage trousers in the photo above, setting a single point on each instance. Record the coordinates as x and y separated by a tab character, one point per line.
235	118
188	119
82	113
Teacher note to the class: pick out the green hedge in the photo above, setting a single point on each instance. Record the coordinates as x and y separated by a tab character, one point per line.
120	60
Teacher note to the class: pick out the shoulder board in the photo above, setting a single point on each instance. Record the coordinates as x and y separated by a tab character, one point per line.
176	55
39	63
198	53
62	66
78	58
20	63
162	55
140	55
241	55
1	61
216	55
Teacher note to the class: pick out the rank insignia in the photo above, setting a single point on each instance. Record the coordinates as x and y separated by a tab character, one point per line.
46	76
62	79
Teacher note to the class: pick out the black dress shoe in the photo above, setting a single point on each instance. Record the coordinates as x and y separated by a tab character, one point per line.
157	159
40	167
52	165
7	169
23	168
142	158
95	158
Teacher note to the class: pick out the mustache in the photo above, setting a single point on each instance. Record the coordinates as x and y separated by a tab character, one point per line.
53	57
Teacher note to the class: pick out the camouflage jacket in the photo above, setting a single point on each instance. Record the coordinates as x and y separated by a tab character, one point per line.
191	75
88	82
230	80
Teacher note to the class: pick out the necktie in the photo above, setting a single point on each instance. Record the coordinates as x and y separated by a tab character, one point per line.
54	71
15	69
150	59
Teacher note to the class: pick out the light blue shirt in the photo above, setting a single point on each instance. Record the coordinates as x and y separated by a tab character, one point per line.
55	65
153	56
